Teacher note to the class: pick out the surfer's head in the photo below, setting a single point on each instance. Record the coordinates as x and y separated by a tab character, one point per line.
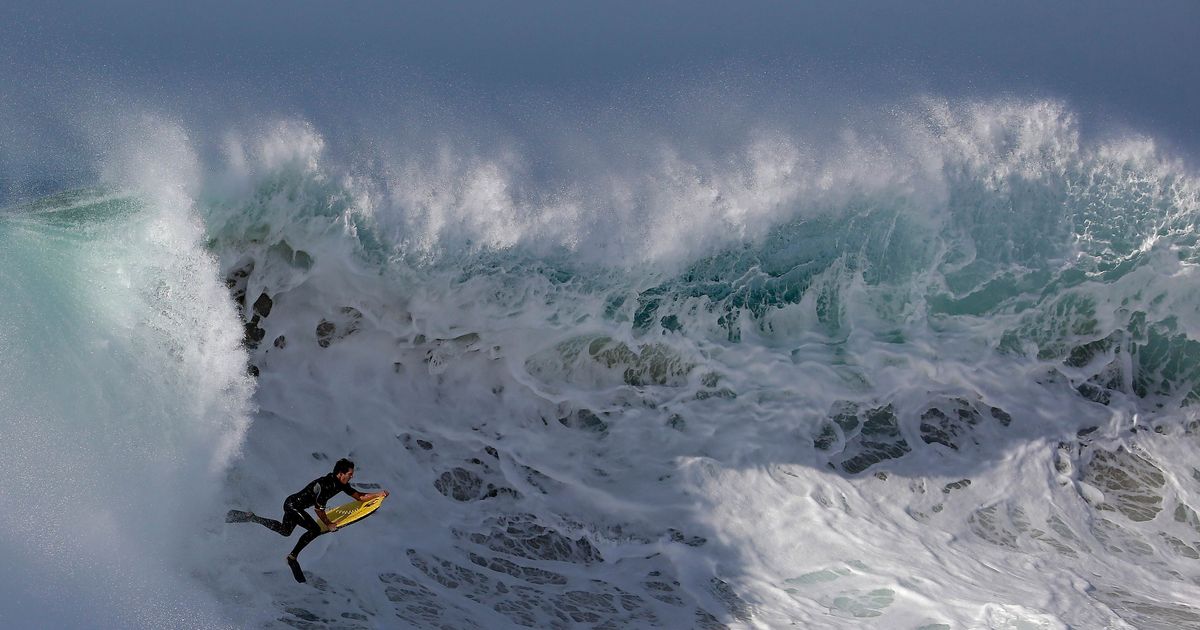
343	470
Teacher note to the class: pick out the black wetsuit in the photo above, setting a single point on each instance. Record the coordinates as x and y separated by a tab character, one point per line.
315	494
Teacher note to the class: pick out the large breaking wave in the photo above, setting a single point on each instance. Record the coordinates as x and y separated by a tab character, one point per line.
939	371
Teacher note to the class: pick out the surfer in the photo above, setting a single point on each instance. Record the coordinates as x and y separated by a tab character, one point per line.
315	495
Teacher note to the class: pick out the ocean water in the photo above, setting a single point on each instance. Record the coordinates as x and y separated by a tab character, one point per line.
938	372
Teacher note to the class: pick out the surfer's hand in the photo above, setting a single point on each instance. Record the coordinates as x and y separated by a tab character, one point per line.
332	527
385	493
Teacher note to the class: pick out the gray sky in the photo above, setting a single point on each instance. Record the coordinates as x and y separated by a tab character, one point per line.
1119	64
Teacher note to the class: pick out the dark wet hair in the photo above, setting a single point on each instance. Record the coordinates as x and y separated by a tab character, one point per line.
342	465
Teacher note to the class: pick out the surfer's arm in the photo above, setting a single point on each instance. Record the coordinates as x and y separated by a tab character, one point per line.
360	496
325	519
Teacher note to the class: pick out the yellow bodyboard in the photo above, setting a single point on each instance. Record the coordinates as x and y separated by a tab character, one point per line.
351	512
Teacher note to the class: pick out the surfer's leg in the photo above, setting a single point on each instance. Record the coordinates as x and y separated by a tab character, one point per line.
292	518
313	530
279	528
283	528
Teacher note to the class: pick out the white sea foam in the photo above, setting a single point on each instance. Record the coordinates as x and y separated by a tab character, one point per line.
938	373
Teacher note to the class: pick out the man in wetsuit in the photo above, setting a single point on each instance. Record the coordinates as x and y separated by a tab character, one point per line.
315	495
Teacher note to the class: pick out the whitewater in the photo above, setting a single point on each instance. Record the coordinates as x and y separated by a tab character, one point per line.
939	371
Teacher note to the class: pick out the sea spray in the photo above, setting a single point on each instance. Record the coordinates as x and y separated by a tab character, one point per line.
789	384
123	395
938	371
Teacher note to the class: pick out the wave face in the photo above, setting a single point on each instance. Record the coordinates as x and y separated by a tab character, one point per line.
938	373
123	397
